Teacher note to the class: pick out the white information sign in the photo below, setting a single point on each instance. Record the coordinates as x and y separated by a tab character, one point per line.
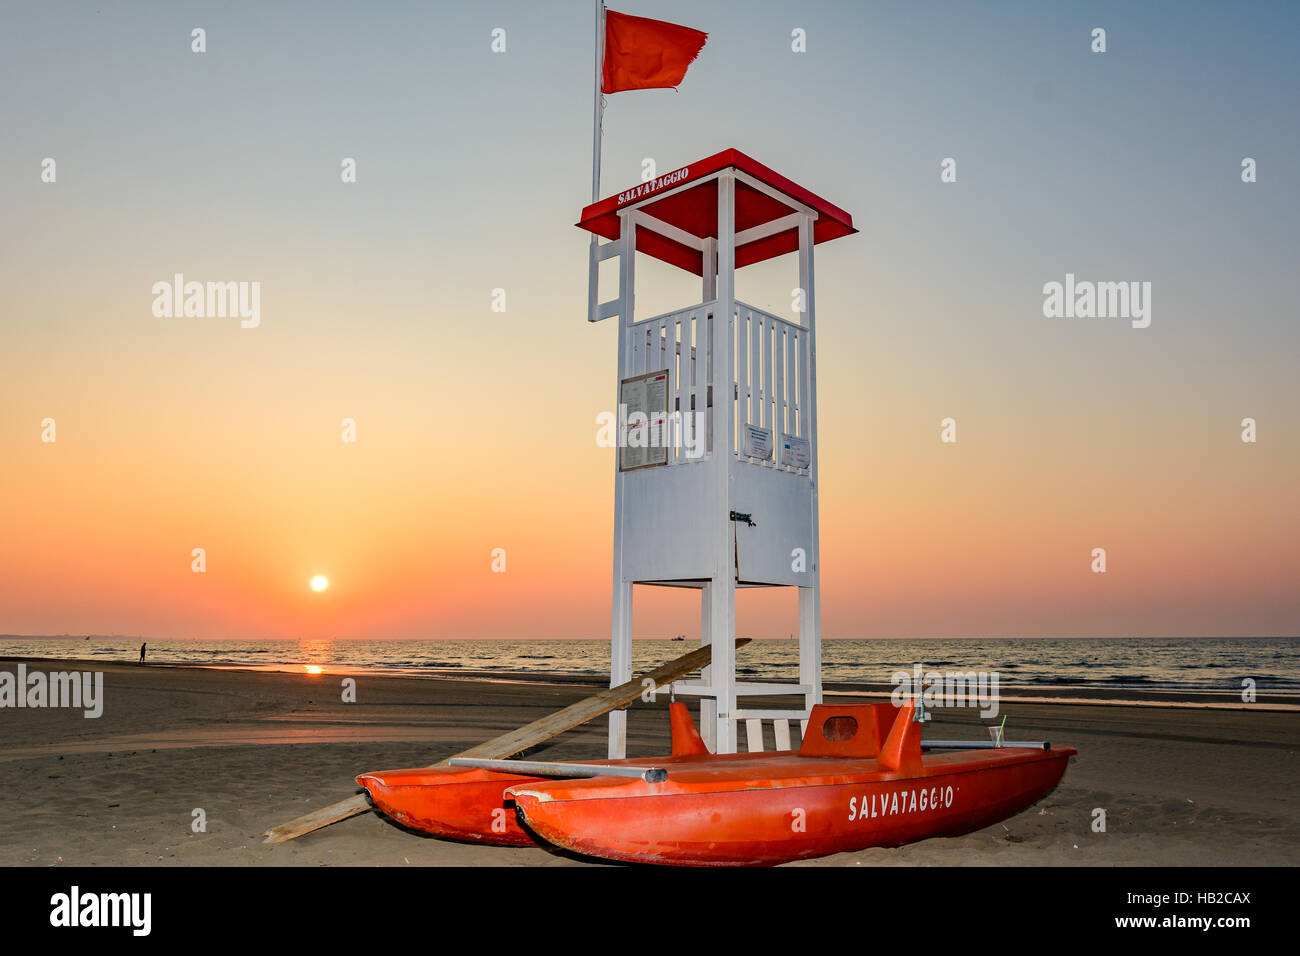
757	442
643	414
794	451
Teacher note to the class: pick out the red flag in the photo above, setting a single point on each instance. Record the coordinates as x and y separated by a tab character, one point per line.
643	54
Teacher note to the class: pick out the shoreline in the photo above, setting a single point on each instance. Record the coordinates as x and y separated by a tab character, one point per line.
1076	694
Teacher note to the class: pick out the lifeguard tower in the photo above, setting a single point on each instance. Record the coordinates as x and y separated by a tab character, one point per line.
735	506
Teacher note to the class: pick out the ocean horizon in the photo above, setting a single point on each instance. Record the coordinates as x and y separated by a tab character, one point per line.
1203	664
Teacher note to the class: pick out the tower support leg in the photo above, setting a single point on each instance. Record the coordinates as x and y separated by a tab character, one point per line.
810	643
722	630
708	706
620	666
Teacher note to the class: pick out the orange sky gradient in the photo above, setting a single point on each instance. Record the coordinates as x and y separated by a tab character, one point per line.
477	430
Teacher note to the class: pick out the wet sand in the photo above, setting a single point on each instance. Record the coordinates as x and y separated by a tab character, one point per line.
251	749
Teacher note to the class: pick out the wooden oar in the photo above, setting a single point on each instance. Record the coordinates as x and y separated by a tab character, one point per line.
530	735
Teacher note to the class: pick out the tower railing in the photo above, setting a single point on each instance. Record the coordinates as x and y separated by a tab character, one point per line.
770	369
769	376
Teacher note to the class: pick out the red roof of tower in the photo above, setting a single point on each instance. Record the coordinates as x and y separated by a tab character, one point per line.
692	206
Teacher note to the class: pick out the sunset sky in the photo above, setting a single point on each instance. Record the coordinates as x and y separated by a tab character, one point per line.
476	429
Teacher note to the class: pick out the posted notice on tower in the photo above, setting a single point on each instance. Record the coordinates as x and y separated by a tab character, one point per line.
643	410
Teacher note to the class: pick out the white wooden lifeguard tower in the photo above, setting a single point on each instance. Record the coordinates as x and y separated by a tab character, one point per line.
742	510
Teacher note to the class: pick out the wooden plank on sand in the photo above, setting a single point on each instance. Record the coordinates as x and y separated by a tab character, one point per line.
530	735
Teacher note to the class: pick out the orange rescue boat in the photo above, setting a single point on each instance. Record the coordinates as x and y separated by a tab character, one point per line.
860	779
468	802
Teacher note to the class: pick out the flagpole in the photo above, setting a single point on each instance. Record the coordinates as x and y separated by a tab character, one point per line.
598	116
599	108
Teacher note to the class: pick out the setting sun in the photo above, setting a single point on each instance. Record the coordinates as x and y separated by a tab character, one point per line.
319	583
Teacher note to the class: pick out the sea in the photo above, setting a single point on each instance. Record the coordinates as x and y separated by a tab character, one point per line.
1220	665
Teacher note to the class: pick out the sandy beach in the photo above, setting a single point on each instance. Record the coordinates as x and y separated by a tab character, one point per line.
251	749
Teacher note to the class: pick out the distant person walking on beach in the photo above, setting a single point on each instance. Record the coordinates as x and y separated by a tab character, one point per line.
141	653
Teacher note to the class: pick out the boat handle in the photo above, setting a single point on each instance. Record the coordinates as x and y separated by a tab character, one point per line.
540	768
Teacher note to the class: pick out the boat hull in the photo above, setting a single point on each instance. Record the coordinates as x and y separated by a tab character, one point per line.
860	779
796	810
468	803
450	802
